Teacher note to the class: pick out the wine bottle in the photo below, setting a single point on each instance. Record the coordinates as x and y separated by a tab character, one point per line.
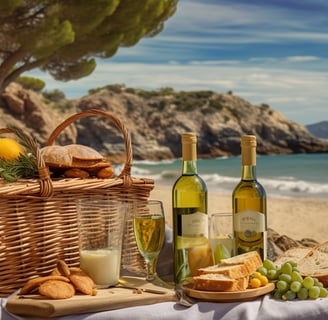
249	204
190	220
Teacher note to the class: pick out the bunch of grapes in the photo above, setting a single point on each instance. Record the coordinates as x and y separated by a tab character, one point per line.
290	284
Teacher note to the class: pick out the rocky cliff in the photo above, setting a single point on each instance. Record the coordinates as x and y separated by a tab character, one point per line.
156	119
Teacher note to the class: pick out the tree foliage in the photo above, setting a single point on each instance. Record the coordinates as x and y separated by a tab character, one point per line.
64	37
30	83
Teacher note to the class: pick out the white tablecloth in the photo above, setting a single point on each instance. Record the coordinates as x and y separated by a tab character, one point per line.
264	308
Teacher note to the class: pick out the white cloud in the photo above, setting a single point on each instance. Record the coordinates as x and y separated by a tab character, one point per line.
237	22
215	62
302	58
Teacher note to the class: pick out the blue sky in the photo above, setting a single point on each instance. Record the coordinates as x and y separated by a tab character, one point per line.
273	52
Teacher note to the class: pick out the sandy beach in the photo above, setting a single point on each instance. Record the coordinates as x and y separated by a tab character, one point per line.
297	218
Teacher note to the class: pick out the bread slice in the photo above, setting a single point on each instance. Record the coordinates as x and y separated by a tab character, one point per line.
251	260
315	263
233	272
311	261
219	282
294	254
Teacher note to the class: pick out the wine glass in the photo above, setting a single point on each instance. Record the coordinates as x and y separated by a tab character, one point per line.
149	230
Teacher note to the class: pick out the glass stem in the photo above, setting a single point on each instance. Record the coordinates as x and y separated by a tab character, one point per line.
151	269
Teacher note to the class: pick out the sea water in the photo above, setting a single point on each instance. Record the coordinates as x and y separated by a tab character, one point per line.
296	175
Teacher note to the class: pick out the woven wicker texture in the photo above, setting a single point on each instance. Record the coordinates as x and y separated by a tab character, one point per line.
38	221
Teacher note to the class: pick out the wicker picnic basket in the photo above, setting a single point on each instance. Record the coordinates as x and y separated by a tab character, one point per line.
38	219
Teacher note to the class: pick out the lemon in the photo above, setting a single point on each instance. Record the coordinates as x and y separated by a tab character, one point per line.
10	149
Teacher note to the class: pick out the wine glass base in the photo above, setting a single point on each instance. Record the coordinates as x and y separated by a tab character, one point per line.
157	281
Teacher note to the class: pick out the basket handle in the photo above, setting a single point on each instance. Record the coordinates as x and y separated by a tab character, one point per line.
126	171
46	186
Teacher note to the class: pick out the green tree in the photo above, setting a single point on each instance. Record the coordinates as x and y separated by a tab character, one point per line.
64	37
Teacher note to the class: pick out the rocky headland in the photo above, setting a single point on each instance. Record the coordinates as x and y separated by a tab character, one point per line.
155	120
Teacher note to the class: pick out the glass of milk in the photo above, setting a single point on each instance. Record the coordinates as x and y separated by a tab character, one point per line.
101	227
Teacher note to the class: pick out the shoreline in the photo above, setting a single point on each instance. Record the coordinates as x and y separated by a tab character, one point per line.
297	218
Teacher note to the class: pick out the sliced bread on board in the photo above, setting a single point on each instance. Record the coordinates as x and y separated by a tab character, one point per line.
232	274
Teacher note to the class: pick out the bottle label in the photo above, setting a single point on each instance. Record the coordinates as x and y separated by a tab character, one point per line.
195	224
249	224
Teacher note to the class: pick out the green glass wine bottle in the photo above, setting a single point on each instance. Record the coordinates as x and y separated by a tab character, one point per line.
190	220
249	204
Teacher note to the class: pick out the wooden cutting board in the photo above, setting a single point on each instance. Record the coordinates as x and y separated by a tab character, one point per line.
106	299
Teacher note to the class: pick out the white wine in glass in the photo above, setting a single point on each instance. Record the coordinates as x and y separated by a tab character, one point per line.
149	235
149	229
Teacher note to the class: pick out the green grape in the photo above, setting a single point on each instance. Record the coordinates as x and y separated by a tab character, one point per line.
292	263
277	294
295	286
269	265
303	294
272	274
323	292
282	286
262	270
314	292
308	282
285	277
296	276
289	295
278	273
317	282
287	268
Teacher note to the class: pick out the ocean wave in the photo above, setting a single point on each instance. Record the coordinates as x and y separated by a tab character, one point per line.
296	187
291	184
135	171
223	158
213	179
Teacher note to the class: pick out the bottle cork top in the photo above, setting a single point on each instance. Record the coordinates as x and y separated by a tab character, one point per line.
189	137
248	141
189	146
248	150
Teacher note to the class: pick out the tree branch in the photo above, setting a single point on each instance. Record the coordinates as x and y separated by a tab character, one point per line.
9	64
17	72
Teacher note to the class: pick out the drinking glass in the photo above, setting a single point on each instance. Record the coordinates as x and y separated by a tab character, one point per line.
221	235
101	225
149	230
